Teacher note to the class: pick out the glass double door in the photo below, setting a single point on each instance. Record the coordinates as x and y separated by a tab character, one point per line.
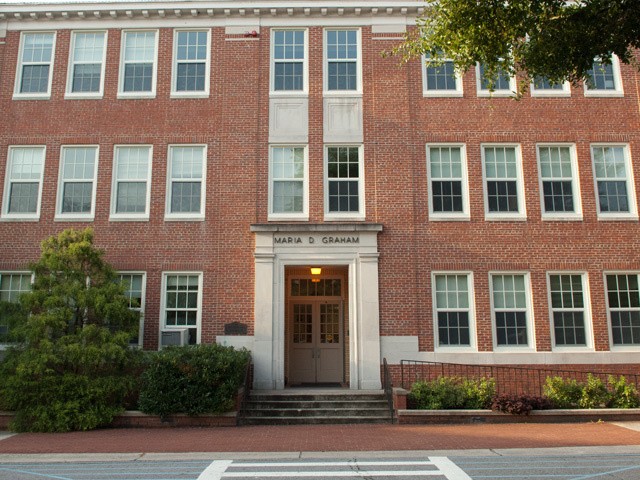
317	342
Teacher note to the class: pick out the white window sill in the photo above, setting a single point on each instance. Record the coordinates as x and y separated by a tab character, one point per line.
74	218
12	218
625	348
83	96
179	95
613	217
438	217
550	94
604	93
569	349
561	218
183	218
455	349
332	217
289	93
342	93
513	349
496	94
288	218
492	217
128	218
442	93
136	96
32	96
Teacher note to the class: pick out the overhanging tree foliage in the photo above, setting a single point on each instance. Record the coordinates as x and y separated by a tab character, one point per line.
72	366
553	39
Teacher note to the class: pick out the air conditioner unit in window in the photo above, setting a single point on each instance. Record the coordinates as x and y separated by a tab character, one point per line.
174	337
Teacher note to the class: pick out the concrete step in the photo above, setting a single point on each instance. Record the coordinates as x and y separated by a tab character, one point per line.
299	397
312	404
316	412
312	420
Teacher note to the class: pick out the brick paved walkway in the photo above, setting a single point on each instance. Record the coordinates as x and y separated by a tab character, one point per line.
323	438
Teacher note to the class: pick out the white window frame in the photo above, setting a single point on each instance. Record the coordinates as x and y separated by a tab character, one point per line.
186	216
360	215
74	216
483	92
71	67
305	65
575	184
8	183
426	92
521	214
301	216
549	92
588	325
531	334
18	80
632	214
473	345
163	305
618	91
114	215
325	64
174	70
4	345
612	346
154	77
139	309
465	214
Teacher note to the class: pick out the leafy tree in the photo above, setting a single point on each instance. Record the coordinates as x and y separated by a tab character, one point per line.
553	39
72	367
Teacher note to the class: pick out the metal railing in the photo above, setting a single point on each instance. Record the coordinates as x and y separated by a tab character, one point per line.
515	380
388	388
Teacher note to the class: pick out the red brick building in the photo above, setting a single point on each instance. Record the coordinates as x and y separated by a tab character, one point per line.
222	149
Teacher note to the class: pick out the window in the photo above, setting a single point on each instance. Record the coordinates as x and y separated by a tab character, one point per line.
77	187
453	308
35	65
182	303
504	196
191	62
344	182
448	193
23	183
614	182
502	85
559	182
623	302
86	64
440	79
12	285
138	67
543	87
342	70
569	310
289	66
134	284
511	310
186	182
289	190
604	78
130	194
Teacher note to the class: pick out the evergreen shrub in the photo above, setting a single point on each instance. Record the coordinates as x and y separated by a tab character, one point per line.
453	393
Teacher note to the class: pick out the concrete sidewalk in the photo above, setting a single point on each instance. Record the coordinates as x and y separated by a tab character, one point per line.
324	438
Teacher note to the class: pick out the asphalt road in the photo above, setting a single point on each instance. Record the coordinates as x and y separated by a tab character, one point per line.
560	464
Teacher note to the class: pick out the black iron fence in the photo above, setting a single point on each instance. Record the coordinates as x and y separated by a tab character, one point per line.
516	380
388	387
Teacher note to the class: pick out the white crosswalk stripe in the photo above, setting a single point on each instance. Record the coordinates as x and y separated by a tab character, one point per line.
435	467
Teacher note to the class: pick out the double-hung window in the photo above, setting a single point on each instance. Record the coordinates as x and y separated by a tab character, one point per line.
86	64
448	192
344	182
135	283
499	85
23	183
35	65
511	310
559	182
504	191
77	184
12	285
569	304
603	79
130	194
614	182
342	67
289	66
289	190
453	309
623	305
186	182
439	78
543	87
182	303
138	63
191	55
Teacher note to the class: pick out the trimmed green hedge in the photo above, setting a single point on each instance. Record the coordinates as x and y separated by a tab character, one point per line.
453	393
195	379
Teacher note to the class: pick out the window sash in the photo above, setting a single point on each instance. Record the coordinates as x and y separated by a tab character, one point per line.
87	59
502	180
510	306
453	309
343	180
138	62
440	77
12	285
288	60
79	169
24	180
501	83
186	180
557	178
191	56
132	168
342	60
568	309
613	186
36	59
288	178
182	303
